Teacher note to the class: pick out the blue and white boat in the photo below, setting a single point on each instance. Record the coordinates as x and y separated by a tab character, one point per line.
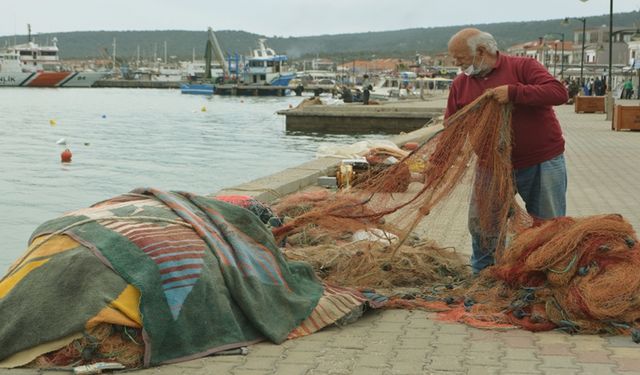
265	67
197	88
263	73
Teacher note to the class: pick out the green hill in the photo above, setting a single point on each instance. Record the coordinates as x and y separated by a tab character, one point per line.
398	43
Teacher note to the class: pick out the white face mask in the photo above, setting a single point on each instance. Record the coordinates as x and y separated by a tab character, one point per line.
472	70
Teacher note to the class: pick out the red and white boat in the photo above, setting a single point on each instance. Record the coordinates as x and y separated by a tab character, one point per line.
32	65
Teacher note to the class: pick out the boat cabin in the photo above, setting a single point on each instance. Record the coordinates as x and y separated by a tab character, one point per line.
10	62
35	58
264	66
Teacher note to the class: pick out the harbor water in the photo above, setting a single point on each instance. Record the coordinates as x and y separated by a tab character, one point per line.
127	138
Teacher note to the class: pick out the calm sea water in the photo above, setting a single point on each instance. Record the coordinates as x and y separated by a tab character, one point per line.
127	138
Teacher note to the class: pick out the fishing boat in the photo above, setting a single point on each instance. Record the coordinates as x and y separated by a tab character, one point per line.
263	74
33	65
266	67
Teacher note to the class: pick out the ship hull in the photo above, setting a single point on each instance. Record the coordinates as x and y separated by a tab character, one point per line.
50	79
197	88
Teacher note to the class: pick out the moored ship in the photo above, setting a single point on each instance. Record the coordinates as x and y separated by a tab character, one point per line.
264	73
32	65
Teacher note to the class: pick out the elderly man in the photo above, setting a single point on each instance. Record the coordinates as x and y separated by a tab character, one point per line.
538	146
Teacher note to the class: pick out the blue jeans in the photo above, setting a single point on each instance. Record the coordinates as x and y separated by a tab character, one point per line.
543	188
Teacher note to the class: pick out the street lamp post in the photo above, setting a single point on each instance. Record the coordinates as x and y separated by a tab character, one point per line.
610	103
555	51
555	57
562	57
609	106
583	37
609	86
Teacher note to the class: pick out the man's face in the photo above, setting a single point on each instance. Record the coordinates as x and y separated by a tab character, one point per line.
462	55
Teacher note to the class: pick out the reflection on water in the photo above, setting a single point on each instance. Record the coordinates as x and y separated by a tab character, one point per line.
127	138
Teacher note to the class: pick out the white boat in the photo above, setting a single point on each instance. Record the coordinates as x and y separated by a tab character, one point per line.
195	70
265	67
317	77
264	73
32	65
407	85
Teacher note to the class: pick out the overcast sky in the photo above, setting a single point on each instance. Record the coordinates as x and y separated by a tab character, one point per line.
285	17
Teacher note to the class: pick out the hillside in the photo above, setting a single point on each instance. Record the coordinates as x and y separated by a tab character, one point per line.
398	43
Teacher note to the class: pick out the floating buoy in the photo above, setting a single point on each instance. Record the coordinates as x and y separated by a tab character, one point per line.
61	141
411	146
104	116
52	122
65	156
203	109
86	143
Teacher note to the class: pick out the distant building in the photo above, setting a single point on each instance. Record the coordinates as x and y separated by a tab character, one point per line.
634	50
322	64
376	66
552	53
443	59
596	51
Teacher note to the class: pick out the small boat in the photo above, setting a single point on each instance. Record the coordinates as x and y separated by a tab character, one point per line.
32	65
197	88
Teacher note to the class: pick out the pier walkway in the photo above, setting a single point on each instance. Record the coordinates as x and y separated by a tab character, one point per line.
604	177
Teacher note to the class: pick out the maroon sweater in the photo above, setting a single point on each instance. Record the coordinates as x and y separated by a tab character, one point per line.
534	92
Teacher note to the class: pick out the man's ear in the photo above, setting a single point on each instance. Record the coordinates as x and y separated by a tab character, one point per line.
481	51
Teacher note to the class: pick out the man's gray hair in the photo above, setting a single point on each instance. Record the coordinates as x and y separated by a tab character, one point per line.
485	40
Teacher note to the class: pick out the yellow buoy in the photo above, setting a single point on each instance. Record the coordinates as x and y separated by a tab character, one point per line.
52	122
203	109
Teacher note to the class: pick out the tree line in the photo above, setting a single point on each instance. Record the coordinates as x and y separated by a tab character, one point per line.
183	45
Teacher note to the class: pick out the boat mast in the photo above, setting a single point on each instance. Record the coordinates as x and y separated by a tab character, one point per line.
114	54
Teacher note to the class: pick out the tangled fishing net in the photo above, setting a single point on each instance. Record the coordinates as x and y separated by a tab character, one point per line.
103	343
576	274
579	275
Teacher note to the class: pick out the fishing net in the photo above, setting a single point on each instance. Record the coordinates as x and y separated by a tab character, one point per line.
578	274
383	198
103	343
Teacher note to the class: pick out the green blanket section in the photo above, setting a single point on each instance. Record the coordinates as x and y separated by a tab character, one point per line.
225	308
56	300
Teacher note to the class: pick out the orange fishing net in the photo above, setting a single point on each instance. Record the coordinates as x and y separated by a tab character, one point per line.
103	343
386	201
576	274
579	274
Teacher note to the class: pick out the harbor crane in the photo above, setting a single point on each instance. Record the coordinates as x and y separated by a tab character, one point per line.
213	50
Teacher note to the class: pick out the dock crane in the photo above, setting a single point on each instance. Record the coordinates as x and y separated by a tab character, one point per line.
213	50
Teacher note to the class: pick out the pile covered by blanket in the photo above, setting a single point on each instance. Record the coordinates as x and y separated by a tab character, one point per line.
196	275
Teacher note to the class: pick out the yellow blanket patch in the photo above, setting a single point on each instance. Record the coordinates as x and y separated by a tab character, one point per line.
20	269
124	310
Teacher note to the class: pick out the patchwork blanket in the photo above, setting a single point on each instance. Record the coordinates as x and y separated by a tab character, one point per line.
209	275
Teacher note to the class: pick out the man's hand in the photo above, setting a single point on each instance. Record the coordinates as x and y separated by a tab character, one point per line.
500	93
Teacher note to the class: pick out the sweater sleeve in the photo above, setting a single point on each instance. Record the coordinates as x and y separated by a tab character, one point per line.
536	87
452	104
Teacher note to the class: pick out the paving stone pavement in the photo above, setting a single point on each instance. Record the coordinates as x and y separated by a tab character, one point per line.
604	177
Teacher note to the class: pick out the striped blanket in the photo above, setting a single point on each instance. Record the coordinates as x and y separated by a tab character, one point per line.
209	276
